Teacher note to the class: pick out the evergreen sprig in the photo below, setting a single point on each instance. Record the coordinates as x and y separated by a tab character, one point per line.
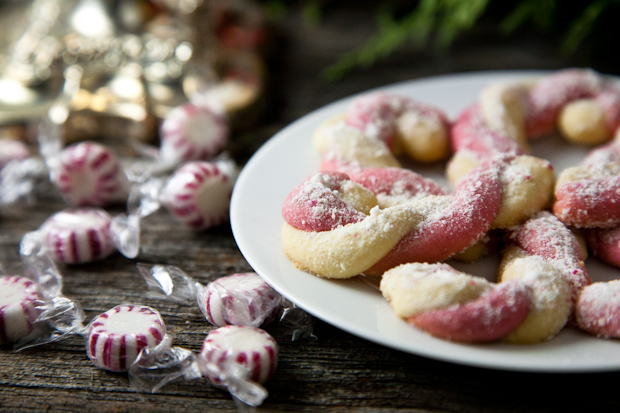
445	20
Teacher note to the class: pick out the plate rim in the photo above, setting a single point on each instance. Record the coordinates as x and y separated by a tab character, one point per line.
319	113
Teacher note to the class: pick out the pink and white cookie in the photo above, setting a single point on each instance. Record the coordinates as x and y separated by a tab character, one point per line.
19	298
243	299
116	337
544	235
198	194
78	236
598	309
605	244
12	150
420	130
192	132
453	305
587	196
232	347
550	94
90	174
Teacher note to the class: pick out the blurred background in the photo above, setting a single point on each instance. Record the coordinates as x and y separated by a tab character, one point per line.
124	64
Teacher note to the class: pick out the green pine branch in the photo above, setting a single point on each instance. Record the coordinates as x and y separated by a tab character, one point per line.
447	19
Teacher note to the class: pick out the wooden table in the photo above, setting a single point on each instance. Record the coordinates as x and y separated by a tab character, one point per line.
337	371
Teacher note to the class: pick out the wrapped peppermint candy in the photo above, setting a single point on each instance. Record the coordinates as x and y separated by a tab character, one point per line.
90	174
242	299
12	150
72	236
34	313
20	171
115	338
192	132
33	310
19	298
239	299
85	173
237	358
197	195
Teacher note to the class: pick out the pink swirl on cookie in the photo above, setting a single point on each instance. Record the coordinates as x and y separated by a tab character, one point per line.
551	93
429	229
597	309
605	244
463	223
394	186
316	204
588	196
90	174
454	305
489	318
546	236
378	126
378	114
471	133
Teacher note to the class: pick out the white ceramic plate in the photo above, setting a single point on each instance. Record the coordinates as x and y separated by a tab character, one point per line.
354	305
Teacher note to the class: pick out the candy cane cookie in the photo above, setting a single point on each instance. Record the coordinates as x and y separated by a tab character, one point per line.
583	105
116	337
544	235
550	298
587	194
192	132
328	232
453	305
19	298
388	124
77	236
233	347
198	194
90	174
597	310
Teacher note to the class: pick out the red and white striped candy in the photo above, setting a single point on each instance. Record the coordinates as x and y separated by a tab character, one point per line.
239	299
90	174
117	336
78	236
192	132
11	150
198	195
248	347
19	298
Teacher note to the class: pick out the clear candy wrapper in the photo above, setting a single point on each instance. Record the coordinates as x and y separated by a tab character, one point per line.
21	173
34	311
85	174
73	236
243	299
197	195
194	131
236	358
